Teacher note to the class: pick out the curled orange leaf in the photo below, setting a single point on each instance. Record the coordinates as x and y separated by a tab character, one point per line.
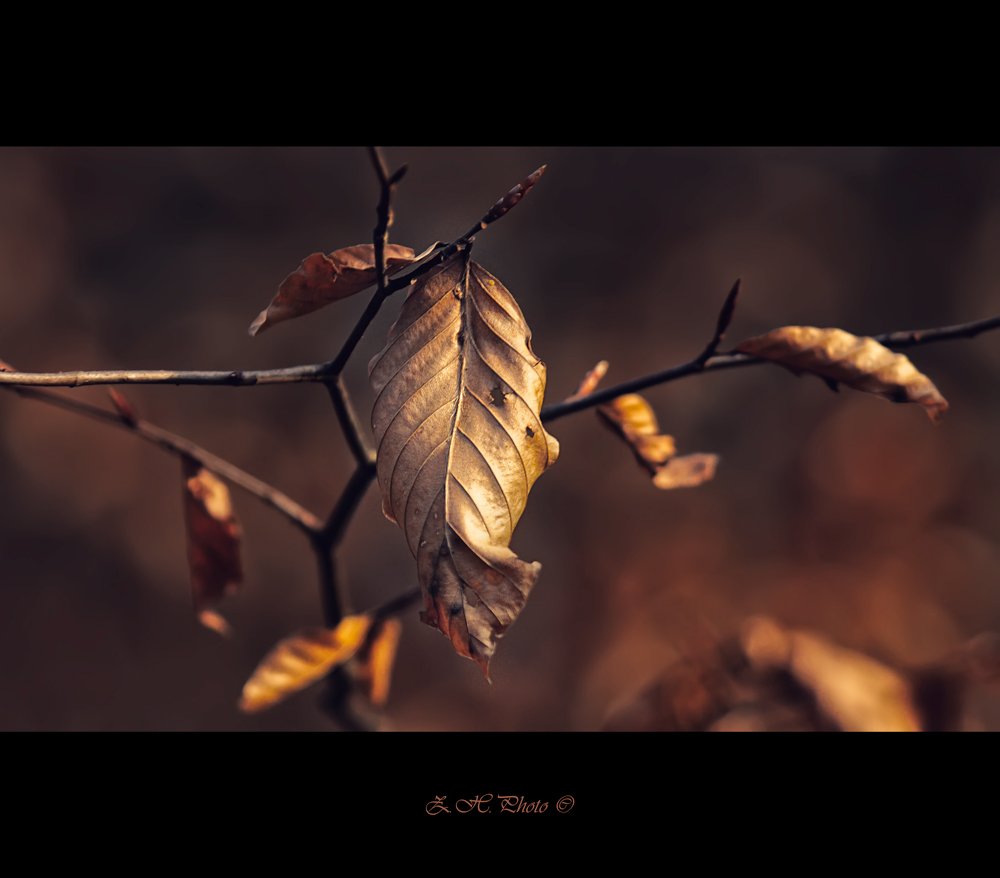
858	362
632	418
302	659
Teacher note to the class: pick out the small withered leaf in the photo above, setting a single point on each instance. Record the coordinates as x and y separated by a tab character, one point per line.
325	278
213	542
686	471
374	663
632	418
856	361
460	443
301	659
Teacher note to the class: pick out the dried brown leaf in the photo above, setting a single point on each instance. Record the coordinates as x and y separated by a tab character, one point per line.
213	538
301	659
322	279
590	381
375	662
634	420
686	471
858	362
460	443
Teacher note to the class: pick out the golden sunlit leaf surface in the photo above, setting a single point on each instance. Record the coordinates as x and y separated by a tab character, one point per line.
213	540
773	678
632	418
460	443
858	362
375	662
858	693
302	659
322	279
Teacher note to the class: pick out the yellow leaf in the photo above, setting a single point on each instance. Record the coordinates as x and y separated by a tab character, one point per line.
302	659
858	693
460	443
632	418
376	659
858	362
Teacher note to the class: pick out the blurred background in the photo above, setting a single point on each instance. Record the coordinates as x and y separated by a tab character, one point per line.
838	513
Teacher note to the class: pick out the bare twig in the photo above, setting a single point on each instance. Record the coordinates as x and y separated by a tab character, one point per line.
906	339
357	438
171	442
321	372
722	324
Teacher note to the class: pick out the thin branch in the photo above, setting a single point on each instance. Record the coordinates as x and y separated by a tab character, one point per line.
348	502
905	339
355	434
178	445
722	324
294	374
394	606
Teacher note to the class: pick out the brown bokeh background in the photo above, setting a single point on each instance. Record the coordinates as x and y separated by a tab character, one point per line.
841	513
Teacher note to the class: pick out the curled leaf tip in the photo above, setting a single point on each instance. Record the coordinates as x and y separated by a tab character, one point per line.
259	324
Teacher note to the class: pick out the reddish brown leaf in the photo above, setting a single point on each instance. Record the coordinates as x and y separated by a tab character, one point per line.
374	663
322	279
858	362
301	659
123	406
213	536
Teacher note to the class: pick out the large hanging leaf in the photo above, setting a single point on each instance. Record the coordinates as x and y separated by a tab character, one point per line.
213	535
460	443
301	659
858	362
322	279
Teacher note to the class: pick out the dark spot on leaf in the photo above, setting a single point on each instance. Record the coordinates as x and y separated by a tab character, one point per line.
497	396
460	338
455	609
434	587
529	432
